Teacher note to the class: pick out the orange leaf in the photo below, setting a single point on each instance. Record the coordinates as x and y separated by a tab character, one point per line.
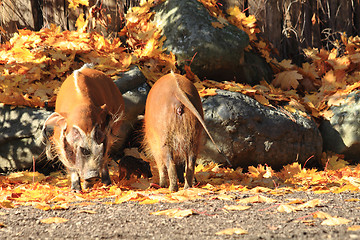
207	92
261	99
287	80
217	25
354	228
129	196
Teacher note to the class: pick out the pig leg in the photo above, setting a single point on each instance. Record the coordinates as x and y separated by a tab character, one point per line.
189	168
180	171
171	168
75	180
105	177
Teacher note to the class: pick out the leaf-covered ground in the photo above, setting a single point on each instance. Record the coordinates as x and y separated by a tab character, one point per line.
296	202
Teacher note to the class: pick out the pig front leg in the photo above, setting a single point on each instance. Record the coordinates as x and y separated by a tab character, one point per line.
105	177
75	181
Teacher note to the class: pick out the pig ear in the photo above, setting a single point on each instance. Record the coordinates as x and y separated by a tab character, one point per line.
55	119
74	135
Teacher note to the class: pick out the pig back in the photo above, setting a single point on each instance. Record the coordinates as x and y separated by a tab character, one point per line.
167	121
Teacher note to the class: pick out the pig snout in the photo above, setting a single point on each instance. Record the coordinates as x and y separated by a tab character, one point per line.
92	175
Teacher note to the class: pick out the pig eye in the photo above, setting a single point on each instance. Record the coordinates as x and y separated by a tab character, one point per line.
85	151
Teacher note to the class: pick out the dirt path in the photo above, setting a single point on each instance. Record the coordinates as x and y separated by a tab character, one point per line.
131	220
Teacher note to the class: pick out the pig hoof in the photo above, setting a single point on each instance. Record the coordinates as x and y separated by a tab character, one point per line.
106	181
174	188
76	186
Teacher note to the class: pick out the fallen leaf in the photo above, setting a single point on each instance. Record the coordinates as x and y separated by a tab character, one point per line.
6	204
257	199
287	80
309	204
354	228
149	201
335	221
287	208
352	200
175	213
87	211
223	197
322	215
236	207
231	231
129	196
217	25
54	220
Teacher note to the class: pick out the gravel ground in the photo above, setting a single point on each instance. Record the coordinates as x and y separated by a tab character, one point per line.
131	220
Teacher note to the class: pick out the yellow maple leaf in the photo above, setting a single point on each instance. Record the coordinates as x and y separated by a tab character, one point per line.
75	3
287	208
322	215
287	80
129	196
81	23
309	204
335	221
54	220
257	199
175	213
231	231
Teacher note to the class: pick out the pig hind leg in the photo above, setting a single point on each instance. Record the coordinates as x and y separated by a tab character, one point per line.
180	167
189	168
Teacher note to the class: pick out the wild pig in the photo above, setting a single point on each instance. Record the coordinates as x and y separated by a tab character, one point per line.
173	125
84	126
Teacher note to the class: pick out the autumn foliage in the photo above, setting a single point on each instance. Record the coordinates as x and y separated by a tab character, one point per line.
34	64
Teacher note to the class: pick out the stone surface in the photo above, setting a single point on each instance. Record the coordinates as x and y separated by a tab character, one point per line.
20	136
217	53
341	134
251	134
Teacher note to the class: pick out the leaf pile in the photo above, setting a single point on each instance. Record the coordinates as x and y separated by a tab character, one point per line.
34	64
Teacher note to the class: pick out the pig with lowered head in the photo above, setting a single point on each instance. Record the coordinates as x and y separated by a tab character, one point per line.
86	122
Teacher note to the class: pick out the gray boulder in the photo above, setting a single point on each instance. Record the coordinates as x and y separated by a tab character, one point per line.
251	134
218	52
130	79
341	134
20	136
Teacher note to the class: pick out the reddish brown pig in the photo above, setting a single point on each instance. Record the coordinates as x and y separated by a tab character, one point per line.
173	128
85	125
